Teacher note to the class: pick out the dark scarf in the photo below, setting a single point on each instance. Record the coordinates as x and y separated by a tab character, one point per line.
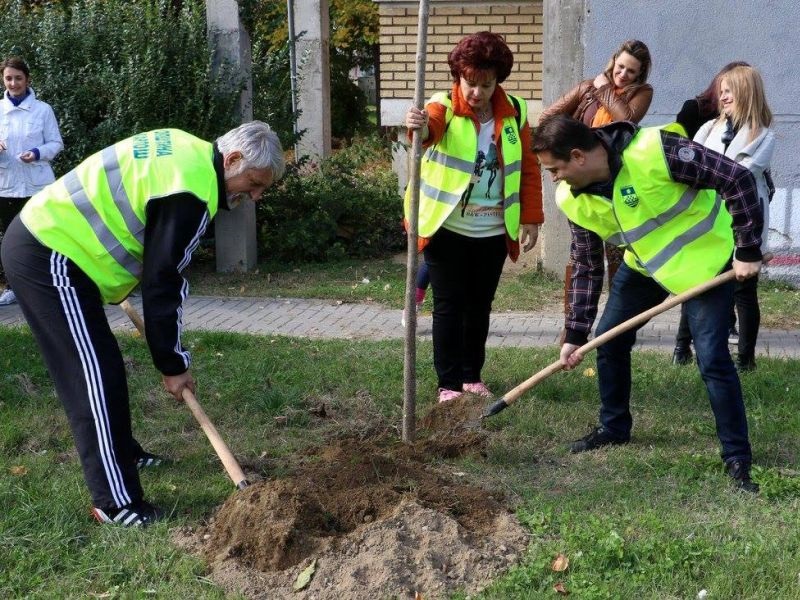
17	101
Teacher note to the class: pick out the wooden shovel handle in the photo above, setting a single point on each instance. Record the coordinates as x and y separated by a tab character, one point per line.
133	316
225	455
511	396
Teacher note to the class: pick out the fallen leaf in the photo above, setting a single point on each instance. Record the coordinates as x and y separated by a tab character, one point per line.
418	596
19	470
589	372
365	280
559	587
560	563
305	576
281	420
387	287
241	290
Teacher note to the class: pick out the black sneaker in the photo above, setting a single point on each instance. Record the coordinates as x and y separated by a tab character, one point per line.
136	514
597	438
733	336
744	364
145	460
739	470
682	356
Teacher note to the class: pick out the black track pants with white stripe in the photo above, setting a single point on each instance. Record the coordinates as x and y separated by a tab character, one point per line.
65	312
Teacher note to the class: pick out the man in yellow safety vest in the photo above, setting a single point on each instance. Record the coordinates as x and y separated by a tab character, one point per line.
683	213
131	214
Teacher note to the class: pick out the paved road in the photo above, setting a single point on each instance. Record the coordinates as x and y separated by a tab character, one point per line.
327	319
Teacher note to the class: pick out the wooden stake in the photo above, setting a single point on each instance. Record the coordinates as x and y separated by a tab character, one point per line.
410	356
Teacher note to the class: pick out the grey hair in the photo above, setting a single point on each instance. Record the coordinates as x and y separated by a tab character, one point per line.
259	145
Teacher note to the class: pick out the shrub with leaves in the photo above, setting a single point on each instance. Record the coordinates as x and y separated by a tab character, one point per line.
345	206
111	68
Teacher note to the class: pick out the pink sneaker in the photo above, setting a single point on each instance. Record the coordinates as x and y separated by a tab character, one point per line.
445	395
479	389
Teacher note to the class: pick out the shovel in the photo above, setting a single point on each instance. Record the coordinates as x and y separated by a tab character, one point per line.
220	447
512	396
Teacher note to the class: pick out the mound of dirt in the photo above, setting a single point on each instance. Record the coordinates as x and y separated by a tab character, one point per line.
375	517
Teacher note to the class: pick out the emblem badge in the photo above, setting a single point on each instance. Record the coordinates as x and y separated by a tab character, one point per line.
629	196
686	154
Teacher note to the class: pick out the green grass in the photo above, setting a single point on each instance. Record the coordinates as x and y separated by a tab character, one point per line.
379	280
654	519
780	304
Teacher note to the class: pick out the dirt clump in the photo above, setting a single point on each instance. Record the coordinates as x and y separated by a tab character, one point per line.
378	519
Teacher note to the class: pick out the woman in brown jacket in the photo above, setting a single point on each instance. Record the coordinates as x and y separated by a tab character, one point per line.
620	93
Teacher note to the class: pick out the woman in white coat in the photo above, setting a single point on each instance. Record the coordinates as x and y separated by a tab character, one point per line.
742	132
29	140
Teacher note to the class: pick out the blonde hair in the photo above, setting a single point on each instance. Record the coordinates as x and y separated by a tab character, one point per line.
750	103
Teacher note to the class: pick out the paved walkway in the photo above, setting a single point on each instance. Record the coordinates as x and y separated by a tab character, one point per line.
328	319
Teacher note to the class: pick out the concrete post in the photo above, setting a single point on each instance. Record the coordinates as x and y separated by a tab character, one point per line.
563	64
235	231
312	24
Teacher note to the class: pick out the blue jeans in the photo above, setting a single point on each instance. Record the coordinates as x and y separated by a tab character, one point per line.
631	294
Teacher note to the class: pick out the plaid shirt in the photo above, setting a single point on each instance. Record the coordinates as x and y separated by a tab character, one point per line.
702	169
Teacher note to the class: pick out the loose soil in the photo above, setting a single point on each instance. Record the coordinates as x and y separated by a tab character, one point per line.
376	517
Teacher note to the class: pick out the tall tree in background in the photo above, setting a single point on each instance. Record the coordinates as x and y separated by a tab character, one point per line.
354	37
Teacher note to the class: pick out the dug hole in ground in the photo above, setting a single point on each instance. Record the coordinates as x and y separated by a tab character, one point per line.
365	515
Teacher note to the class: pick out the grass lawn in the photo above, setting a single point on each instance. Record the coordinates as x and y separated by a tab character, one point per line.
654	519
384	280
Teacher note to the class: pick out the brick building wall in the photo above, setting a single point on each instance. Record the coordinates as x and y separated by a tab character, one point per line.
519	22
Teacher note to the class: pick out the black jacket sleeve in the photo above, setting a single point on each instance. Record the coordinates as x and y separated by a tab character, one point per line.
172	232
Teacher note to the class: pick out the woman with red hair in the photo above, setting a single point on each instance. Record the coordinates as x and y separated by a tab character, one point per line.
480	199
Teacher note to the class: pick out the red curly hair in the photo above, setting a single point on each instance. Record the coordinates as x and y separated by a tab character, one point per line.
481	52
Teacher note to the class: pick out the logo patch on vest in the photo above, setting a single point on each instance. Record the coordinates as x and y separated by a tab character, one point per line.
510	135
629	196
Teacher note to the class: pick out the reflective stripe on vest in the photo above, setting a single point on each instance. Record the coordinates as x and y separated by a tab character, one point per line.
95	214
679	236
447	167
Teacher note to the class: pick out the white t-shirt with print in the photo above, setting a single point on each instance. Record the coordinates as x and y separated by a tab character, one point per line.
482	215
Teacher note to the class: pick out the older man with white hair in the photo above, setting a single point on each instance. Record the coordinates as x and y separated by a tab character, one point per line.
131	214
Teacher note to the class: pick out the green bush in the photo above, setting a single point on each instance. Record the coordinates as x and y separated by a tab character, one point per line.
111	68
272	90
346	206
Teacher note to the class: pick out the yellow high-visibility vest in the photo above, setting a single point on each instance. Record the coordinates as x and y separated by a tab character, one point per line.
447	167
95	215
678	235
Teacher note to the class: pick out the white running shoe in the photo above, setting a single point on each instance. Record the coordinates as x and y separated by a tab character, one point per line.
8	297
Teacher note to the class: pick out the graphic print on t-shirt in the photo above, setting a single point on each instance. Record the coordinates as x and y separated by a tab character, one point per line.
480	213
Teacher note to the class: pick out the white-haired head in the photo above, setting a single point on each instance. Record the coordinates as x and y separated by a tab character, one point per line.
259	146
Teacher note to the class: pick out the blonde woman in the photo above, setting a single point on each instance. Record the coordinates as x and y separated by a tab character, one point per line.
742	132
